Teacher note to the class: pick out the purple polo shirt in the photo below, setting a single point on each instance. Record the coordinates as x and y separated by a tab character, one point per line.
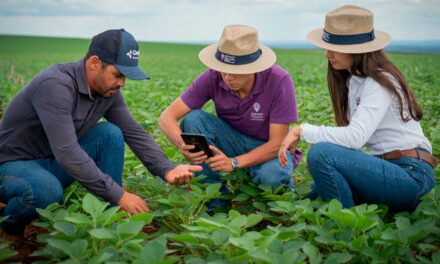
271	101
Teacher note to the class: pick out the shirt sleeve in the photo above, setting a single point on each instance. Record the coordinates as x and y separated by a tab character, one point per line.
53	103
142	143
376	101
283	109
200	90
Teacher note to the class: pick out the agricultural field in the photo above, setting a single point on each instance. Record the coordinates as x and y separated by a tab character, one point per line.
263	225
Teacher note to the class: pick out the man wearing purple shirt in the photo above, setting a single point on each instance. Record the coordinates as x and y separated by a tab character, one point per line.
50	135
254	101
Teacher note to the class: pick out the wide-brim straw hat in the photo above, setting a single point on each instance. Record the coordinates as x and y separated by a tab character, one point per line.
238	52
349	29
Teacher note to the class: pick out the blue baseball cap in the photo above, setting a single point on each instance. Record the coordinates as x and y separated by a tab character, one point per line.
118	47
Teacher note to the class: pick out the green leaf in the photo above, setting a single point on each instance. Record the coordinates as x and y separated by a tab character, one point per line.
79	219
266	188
207	222
365	223
102	233
324	239
62	245
154	251
101	258
312	253
110	215
213	190
246	243
65	228
290	256
6	253
43	212
241	197
130	228
238	221
220	237
334	206
185	238
268	240
403	223
260	206
286	206
249	190
93	205
338	258
78	247
74	250
145	217
252	220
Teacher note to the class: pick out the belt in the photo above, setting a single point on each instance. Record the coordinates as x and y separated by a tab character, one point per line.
413	153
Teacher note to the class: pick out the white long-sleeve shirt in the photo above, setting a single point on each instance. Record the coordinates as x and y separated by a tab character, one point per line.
374	122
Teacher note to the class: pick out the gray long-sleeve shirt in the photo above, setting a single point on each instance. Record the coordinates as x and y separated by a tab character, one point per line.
48	116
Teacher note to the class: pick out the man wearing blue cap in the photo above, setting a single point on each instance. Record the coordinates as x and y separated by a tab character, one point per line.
50	135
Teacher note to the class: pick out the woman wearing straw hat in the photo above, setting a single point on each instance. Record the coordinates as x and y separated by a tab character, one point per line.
254	101
374	107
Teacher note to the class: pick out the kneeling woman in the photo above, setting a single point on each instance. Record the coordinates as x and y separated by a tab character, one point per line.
374	108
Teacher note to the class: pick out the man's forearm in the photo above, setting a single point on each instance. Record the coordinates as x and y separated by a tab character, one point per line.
171	130
258	155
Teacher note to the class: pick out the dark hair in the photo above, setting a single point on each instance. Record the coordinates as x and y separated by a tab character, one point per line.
104	64
377	66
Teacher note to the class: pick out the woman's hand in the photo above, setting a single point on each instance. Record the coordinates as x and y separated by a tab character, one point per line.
290	141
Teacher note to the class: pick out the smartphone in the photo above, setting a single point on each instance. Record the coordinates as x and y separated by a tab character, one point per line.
199	141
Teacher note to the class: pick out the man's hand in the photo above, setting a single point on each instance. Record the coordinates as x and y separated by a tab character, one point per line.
182	174
132	203
193	157
220	162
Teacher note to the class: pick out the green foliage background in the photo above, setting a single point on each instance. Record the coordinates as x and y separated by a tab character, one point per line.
265	225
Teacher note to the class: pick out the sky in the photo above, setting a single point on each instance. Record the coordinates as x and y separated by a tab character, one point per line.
202	21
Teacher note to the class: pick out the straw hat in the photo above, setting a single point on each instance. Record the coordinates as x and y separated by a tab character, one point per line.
238	52
349	29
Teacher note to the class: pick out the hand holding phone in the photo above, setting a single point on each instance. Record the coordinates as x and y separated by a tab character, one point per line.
199	141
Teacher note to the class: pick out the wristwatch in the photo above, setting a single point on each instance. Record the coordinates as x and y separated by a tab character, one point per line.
235	164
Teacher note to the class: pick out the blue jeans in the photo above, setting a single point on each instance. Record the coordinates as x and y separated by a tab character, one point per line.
354	177
29	184
234	143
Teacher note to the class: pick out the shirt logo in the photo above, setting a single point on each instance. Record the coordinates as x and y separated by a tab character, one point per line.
133	54
256	107
255	116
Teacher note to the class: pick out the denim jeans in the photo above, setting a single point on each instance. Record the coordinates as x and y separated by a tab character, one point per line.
234	143
29	184
354	177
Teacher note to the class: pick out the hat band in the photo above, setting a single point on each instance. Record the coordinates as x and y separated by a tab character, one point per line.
237	60
348	39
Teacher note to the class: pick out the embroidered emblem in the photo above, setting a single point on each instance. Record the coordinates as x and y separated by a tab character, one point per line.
255	116
257	107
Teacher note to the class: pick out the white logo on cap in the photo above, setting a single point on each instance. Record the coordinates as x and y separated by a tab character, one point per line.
133	54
